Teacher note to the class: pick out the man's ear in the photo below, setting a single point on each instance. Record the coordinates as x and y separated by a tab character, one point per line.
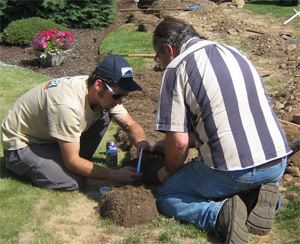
98	85
170	51
167	49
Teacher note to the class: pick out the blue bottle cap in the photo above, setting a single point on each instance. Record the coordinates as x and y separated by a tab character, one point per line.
104	189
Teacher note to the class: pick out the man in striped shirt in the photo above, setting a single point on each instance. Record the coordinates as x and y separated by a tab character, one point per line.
212	98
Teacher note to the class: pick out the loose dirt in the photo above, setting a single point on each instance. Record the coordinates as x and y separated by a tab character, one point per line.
269	44
128	205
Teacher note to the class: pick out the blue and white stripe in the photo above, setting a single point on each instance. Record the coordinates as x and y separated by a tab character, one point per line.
215	91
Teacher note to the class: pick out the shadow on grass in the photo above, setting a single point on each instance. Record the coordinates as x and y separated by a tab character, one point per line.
91	189
92	185
32	63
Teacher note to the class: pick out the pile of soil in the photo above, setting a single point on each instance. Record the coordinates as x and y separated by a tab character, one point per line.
128	205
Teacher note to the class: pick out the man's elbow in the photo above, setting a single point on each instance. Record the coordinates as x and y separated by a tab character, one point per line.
179	141
181	146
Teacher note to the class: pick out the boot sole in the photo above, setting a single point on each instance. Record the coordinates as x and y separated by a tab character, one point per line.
238	232
261	218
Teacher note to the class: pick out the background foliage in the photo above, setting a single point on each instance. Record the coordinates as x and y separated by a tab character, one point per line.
21	32
11	10
92	14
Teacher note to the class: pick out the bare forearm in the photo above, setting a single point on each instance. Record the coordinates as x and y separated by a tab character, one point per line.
136	134
87	169
81	166
134	130
175	151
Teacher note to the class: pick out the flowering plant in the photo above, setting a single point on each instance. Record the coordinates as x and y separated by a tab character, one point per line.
52	42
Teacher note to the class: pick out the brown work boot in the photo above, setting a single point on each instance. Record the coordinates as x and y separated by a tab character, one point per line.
261	218
231	222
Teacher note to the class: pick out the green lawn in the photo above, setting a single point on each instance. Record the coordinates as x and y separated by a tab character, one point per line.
280	12
271	8
133	42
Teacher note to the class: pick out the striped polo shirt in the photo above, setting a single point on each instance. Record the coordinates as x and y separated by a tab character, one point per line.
213	91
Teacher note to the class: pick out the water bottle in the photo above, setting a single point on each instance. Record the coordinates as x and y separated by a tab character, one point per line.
111	153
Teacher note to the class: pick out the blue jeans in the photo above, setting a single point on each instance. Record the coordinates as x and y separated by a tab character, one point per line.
196	193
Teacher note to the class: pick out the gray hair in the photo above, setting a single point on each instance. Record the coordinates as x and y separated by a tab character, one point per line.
174	32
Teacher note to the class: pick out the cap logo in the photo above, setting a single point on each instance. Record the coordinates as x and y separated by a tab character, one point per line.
127	72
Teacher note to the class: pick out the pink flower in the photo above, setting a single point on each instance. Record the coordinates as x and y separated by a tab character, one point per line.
44	44
50	41
54	31
62	33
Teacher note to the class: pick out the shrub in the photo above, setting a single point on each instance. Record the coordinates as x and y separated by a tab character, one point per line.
11	10
92	14
22	32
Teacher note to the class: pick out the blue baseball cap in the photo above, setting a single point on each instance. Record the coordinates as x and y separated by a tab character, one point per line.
117	69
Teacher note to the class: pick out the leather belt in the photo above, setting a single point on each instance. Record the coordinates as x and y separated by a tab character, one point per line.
267	165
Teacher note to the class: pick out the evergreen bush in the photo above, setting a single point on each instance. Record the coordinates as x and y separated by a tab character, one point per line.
11	10
92	14
21	32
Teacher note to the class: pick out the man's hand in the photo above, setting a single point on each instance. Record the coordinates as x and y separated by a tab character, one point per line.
124	175
143	144
163	175
159	147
